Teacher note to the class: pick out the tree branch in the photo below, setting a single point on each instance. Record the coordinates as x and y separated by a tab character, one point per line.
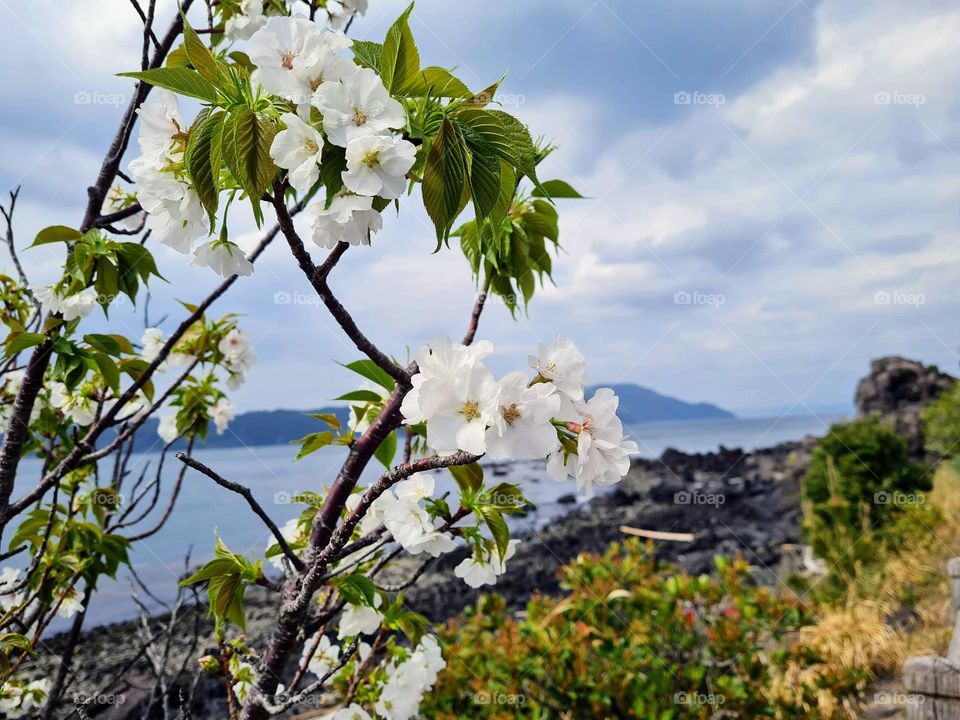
251	501
75	458
17	432
475	318
318	278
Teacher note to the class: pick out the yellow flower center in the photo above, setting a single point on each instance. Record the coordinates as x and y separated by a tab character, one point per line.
371	159
359	117
310	146
470	410
511	414
316	82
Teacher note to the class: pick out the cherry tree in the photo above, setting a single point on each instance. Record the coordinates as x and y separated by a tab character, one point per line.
295	116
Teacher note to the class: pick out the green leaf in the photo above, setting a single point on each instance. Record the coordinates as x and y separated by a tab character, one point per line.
312	442
368	53
444	180
199	160
110	344
246	149
556	189
329	418
522	152
367	396
484	180
333	162
371	371
505	497
56	233
435	82
485	96
226	599
214	568
498	528
109	370
387	450
356	589
200	56
17	342
399	57
177	57
469	478
180	80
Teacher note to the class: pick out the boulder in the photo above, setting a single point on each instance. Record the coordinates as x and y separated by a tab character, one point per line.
896	389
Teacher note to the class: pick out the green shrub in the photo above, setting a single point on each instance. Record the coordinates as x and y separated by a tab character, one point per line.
941	423
634	639
860	475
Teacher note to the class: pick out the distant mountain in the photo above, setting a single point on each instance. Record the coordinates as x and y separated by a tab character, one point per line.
279	427
642	405
260	427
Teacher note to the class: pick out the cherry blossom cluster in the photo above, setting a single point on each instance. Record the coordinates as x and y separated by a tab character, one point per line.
237	357
406	677
298	60
175	215
250	15
465	408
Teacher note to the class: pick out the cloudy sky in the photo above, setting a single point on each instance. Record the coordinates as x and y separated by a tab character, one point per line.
774	186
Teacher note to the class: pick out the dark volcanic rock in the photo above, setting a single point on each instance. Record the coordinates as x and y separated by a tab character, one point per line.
896	389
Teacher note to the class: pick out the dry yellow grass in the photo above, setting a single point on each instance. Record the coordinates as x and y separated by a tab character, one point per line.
910	584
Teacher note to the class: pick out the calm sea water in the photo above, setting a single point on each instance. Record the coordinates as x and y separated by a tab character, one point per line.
272	474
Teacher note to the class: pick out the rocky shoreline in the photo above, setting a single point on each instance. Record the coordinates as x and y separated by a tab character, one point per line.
731	501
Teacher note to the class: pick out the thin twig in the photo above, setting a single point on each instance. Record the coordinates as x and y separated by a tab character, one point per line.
251	501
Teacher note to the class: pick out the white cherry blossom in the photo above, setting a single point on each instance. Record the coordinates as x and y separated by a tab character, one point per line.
340	11
223	257
297	148
287	51
246	21
71	604
9	579
458	405
151	342
79	407
78	305
407	682
562	364
603	453
478	570
360	619
521	428
222	413
291	533
350	219
351	712
167	429
324	658
357	106
378	165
